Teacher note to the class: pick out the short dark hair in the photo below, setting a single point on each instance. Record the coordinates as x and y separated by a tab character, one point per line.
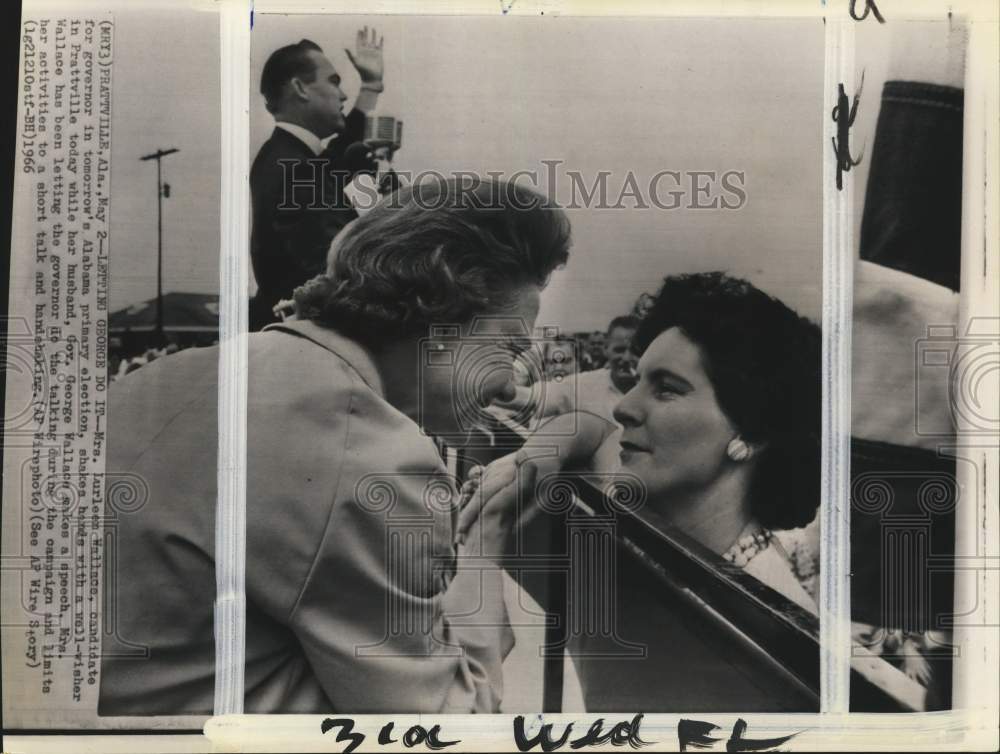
626	321
286	63
764	363
436	252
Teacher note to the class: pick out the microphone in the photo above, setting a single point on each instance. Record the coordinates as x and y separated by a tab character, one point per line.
383	132
359	159
382	136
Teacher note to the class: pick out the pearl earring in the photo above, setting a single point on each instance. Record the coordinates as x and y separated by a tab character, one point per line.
738	450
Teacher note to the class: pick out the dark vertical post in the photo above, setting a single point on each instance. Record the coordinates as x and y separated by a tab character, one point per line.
158	155
557	613
159	255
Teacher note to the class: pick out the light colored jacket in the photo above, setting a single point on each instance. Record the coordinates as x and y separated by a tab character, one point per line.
350	556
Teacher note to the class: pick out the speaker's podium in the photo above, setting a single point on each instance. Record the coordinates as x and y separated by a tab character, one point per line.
655	622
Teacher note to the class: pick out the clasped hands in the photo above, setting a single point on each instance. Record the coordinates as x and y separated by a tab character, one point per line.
494	495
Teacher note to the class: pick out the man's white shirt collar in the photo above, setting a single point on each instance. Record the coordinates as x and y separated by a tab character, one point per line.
304	135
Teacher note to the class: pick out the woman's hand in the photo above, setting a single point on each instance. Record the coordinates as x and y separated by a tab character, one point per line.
494	495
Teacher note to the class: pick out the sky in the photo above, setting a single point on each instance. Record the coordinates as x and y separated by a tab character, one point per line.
165	94
639	96
504	94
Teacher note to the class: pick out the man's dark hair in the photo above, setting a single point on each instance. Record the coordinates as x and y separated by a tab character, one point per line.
286	63
436	252
764	363
626	321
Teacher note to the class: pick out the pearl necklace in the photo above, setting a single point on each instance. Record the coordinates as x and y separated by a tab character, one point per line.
746	548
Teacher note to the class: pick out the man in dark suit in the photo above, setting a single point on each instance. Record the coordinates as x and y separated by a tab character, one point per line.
297	186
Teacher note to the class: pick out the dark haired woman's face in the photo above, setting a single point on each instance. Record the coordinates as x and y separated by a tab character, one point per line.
465	374
674	435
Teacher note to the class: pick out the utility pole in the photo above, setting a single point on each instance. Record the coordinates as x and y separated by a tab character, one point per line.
158	155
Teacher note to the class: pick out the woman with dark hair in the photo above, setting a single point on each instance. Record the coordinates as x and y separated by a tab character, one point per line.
722	429
351	572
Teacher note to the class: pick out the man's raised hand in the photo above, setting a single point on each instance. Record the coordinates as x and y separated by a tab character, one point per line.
367	57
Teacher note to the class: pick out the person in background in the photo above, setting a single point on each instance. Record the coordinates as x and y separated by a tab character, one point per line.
598	390
619	358
297	185
114	358
593	351
560	358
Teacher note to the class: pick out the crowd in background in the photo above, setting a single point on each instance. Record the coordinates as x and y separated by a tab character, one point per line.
567	353
124	359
